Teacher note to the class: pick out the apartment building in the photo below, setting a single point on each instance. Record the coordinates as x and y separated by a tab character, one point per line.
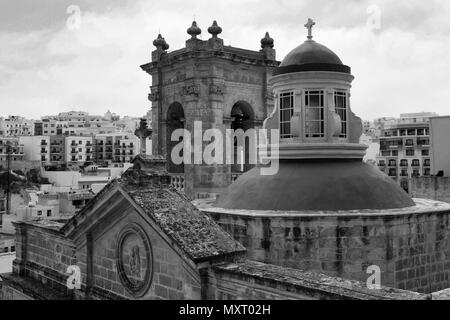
57	149
116	147
405	147
16	149
440	145
15	126
79	149
36	148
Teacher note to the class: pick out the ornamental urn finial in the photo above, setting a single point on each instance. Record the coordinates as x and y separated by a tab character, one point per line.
267	41
215	29
194	30
160	42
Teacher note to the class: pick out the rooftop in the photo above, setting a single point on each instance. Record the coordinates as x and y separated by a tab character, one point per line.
149	188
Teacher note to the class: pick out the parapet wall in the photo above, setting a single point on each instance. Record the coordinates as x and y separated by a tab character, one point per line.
43	255
255	280
410	246
436	188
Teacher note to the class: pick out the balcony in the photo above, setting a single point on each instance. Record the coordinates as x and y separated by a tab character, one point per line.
392	173
423	143
392	164
427	164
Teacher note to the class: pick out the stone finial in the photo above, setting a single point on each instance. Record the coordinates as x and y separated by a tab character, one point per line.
194	30
143	132
215	29
267	41
160	43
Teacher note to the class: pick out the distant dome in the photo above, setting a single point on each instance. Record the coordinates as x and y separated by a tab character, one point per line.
315	185
311	56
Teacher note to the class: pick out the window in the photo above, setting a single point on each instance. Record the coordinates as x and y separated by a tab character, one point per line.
286	112
340	101
410	152
415	163
39	213
394	153
426	172
404	163
314	114
425	152
13	248
392	172
49	213
392	163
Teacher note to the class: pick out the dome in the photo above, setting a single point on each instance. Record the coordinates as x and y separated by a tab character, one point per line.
311	56
315	185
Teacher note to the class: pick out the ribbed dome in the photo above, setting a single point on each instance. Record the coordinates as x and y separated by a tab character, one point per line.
315	185
311	56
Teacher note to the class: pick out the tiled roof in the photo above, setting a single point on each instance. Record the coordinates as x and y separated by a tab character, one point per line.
194	231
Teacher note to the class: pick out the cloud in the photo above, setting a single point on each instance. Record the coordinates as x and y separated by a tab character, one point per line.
46	68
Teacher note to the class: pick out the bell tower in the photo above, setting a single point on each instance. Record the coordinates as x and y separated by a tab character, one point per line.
207	82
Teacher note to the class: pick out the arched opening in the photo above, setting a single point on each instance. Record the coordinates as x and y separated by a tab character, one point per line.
243	118
175	120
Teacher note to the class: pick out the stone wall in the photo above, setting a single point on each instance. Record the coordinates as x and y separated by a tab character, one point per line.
410	246
253	280
436	188
43	255
172	277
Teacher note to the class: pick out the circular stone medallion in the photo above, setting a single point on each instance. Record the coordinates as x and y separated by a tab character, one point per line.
134	260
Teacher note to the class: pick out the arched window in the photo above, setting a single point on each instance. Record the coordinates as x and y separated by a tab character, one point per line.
340	102
314	114
286	112
175	120
243	118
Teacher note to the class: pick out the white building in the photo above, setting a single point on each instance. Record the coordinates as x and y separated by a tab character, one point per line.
79	149
36	148
15	126
405	147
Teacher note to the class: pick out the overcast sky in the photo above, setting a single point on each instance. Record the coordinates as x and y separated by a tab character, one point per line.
399	51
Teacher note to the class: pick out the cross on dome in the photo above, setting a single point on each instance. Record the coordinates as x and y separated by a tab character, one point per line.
309	26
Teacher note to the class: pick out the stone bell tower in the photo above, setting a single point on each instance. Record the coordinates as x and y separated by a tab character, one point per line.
220	86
